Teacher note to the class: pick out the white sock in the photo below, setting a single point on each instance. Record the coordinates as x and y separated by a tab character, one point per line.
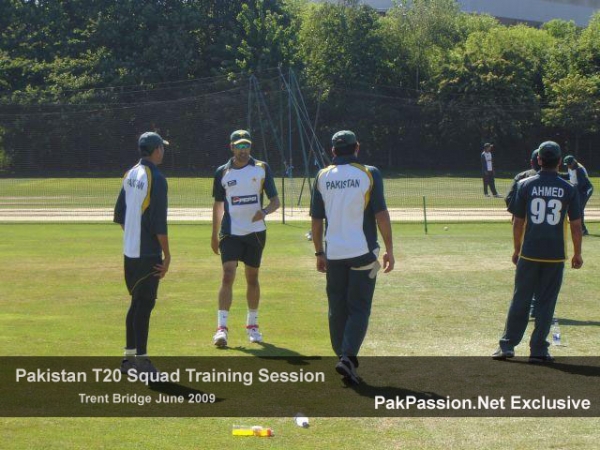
129	352
222	318
252	318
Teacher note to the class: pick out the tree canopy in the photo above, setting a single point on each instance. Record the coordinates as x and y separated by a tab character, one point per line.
422	74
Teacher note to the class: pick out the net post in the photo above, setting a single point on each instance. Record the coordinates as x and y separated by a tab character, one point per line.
283	199
425	214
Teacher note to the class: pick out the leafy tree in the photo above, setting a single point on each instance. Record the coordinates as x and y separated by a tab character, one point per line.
265	37
589	47
491	88
340	46
574	106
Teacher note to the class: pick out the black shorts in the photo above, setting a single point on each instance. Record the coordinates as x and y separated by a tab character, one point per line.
247	249
139	276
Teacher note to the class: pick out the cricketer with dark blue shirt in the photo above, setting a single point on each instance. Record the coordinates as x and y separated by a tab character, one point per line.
540	210
544	200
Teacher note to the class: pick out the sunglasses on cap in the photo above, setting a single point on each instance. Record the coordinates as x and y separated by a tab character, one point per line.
242	146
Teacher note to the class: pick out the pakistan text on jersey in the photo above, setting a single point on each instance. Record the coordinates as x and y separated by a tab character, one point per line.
135	183
342	184
244	199
548	191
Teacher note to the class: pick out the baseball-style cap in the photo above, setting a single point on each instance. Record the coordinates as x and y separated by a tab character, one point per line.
343	139
569	159
240	136
549	150
535	165
149	141
488	144
534	154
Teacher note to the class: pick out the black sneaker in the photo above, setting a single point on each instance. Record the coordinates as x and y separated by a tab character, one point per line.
127	364
543	359
501	355
143	364
346	368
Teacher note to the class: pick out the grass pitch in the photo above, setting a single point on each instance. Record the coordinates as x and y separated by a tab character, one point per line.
62	293
441	192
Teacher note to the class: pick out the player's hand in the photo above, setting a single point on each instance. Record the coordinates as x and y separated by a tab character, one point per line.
321	264
162	269
388	262
260	215
577	262
214	244
515	258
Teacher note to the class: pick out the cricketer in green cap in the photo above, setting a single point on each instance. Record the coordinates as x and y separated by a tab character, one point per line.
549	150
240	137
343	138
149	141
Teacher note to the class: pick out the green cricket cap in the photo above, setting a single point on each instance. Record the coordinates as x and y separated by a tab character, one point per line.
534	154
343	139
569	159
149	141
240	136
549	150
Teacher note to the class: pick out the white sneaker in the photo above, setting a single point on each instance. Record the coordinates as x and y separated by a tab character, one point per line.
220	337
253	334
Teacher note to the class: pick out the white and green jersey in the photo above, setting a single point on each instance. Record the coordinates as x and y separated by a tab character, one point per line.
241	190
348	195
142	210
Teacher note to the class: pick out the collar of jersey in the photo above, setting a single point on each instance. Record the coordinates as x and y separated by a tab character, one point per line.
230	164
346	159
145	162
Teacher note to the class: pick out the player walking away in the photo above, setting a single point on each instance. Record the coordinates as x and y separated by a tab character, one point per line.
239	230
487	169
578	177
141	210
539	209
349	196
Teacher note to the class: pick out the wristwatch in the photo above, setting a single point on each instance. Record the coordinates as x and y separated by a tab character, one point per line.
265	212
321	253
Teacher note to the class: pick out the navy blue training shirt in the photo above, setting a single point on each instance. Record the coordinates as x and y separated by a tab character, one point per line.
544	200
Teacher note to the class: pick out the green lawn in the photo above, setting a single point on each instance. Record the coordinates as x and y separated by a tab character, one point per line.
61	293
448	192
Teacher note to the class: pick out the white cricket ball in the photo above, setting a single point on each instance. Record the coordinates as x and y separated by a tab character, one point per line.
445	228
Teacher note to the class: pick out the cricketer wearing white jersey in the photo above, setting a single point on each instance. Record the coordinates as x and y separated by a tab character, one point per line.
349	197
239	231
241	190
579	178
141	210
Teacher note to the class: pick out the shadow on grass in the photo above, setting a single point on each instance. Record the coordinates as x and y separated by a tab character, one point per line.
572	369
265	350
578	323
365	389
